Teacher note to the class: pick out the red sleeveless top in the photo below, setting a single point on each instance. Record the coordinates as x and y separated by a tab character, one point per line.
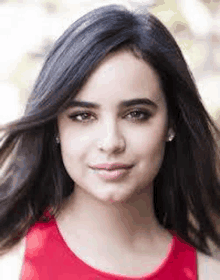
48	257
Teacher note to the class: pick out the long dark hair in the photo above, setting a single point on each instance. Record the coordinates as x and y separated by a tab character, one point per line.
186	190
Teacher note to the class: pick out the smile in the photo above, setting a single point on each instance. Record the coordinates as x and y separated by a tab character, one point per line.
112	174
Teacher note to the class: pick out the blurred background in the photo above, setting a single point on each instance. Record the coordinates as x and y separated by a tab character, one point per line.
28	28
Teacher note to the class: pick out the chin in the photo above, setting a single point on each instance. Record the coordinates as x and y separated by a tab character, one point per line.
111	197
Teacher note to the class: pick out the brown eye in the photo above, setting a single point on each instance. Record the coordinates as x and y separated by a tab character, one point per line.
139	115
81	117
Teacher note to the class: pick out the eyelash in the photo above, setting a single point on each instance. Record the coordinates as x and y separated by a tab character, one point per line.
146	115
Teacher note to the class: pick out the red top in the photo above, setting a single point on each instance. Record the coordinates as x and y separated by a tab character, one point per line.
48	257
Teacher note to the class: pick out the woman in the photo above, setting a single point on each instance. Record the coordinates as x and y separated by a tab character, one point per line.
112	171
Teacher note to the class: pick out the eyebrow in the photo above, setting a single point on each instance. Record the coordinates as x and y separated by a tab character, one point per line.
125	103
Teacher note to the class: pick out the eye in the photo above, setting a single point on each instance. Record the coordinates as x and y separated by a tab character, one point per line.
81	116
139	115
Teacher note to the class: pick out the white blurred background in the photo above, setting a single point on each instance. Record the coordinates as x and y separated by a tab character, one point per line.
28	29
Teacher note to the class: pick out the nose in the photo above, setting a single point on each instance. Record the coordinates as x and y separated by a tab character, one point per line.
111	138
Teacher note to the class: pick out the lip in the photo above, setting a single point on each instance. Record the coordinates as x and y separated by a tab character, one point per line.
111	166
113	174
112	171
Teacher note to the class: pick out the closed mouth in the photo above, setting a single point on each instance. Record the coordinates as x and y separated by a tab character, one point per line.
110	167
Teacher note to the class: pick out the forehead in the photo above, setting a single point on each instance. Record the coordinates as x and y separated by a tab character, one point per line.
122	76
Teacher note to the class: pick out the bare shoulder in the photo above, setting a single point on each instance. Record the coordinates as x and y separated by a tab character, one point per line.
208	267
11	262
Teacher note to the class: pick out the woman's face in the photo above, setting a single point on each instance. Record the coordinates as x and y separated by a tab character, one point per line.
120	117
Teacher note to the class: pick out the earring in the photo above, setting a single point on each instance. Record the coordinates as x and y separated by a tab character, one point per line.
57	140
171	135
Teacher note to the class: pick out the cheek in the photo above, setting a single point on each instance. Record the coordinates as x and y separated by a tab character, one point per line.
73	142
152	151
149	139
149	145
74	149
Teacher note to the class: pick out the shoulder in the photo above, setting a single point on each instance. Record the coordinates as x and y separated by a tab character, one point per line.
11	262
208	267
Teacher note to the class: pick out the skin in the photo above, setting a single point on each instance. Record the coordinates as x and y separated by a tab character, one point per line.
120	212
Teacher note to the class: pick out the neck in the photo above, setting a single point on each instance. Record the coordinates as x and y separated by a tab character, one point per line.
130	225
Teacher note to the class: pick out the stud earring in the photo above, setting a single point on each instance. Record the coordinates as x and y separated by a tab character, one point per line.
57	140
171	135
